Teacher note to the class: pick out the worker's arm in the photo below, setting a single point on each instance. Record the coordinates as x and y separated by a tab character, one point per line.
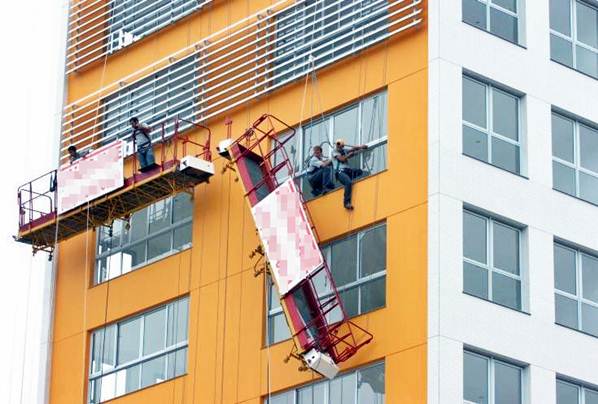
145	129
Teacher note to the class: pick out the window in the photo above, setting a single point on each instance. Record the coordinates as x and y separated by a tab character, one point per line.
499	17
159	230
573	393
362	386
131	20
576	289
491	260
363	122
326	30
491	130
164	95
358	267
575	158
488	380
574	35
138	352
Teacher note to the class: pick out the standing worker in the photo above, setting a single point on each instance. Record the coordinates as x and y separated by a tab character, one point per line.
145	152
345	174
319	173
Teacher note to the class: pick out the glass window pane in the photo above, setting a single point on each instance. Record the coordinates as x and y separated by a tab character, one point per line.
138	222
279	330
588	147
475	280
589	319
507	384
346	126
177	363
370	388
127	380
505	114
288	397
587	61
373	295
474	101
566	311
373	251
506	291
178	319
475	378
350	300
132	256
563	178
587	24
475	143
505	155
103	347
342	389
158	245
589	266
316	134
506	248
591	396
159	215
474	13
474	237
566	393
154	331
182	236
510	5
561	50
107	387
313	394
588	187
182	207
109	267
373	118
562	138
153	371
503	25
344	261
564	269
560	16
129	340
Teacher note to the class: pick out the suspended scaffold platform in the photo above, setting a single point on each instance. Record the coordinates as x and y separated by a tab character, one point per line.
93	191
322	332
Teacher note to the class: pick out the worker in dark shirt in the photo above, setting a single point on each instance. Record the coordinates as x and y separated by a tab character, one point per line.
75	155
145	152
319	172
344	173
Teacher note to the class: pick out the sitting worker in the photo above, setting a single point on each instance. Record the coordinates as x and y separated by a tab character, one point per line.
345	174
319	172
75	155
145	152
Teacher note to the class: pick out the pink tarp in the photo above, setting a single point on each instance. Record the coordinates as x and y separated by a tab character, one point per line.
286	234
92	176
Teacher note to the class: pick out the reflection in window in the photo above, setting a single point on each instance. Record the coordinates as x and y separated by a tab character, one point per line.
491	260
491	130
138	352
496	16
362	386
358	266
574	35
154	232
575	158
569	392
576	289
487	380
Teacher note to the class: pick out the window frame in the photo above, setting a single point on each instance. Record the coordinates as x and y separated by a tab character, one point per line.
576	165
581	386
141	359
489	132
272	313
491	369
490	222
578	297
488	6
572	39
99	278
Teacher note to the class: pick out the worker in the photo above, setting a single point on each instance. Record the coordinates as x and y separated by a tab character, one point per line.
75	155
319	172
145	152
344	173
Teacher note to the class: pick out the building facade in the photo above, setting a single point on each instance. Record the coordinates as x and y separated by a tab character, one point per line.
472	251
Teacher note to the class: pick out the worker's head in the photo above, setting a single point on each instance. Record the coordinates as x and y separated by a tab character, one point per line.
72	150
317	151
340	143
134	122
